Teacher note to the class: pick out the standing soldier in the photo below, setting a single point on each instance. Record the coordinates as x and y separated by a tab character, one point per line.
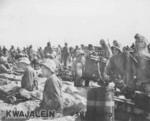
40	53
75	51
90	50
143	58
30	52
5	51
12	54
1	53
65	54
59	50
105	55
116	49
82	47
105	48
71	54
78	68
48	49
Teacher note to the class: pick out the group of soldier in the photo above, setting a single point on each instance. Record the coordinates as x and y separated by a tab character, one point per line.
128	65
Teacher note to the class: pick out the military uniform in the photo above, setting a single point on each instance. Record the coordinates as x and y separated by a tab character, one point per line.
28	79
4	66
143	63
52	95
65	55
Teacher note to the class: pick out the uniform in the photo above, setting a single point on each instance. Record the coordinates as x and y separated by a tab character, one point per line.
52	95
28	79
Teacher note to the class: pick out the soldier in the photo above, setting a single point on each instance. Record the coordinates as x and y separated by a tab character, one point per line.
52	95
0	51
75	50
59	50
12	54
82	47
148	48
5	51
30	53
48	49
71	54
28	80
78	68
65	55
105	55
120	68
90	50
40	53
12	51
4	66
116	49
105	49
143	58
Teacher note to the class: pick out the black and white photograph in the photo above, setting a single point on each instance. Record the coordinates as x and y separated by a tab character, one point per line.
74	60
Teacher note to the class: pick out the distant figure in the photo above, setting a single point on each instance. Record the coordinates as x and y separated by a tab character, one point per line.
82	47
18	50
59	52
65	55
48	49
40	53
12	50
35	60
105	48
71	54
12	54
5	51
78	68
91	49
1	52
30	53
116	49
148	48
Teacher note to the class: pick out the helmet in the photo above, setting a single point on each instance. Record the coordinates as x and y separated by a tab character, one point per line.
50	64
24	60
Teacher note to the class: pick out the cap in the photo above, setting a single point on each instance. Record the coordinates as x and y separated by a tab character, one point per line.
116	47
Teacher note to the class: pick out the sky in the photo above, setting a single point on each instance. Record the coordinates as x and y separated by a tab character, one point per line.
25	22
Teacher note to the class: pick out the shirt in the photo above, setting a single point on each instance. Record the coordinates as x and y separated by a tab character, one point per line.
28	79
52	94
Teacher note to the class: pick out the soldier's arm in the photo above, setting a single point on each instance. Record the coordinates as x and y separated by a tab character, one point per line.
109	48
3	69
108	69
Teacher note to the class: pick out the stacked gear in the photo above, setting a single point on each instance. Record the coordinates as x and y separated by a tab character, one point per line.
100	104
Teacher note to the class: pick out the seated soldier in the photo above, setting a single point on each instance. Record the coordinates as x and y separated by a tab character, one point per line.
28	80
4	65
52	95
